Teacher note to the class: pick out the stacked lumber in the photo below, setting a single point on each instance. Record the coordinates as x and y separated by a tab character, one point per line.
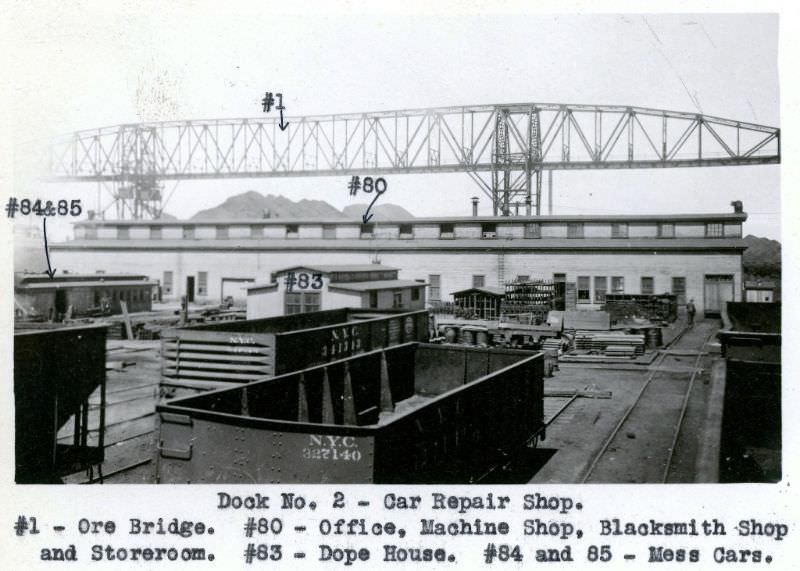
620	351
600	342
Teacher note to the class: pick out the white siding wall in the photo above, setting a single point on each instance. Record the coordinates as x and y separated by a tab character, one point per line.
348	231
139	232
106	233
271	302
456	269
172	232
426	231
468	230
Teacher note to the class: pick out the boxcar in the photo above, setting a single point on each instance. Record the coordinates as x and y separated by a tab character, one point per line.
413	413
216	355
55	372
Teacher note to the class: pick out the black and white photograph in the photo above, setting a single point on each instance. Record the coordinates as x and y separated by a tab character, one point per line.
489	246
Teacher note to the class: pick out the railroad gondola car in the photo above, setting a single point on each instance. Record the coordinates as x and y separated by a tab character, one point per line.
413	413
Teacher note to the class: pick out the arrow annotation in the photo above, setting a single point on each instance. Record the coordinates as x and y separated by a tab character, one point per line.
282	125
366	216
50	271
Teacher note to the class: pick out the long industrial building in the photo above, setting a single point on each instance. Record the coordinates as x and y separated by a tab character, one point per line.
697	256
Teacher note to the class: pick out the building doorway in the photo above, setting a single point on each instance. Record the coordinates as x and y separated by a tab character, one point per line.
559	291
679	290
61	303
717	291
190	289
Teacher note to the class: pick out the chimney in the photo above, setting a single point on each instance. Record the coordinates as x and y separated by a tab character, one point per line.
90	213
474	205
737	206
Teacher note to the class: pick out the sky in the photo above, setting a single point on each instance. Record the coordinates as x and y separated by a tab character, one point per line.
92	67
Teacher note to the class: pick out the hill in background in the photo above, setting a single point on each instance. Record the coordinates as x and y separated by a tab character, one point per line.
762	257
253	205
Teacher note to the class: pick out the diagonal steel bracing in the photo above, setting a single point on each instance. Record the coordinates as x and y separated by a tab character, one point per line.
510	144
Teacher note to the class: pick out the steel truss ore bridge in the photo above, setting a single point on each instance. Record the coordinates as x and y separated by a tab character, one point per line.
503	148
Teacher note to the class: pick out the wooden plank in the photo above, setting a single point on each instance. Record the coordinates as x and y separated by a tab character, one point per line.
208	365
171	355
232	349
200	374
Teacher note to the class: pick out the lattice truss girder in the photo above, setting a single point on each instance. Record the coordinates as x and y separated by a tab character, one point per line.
512	143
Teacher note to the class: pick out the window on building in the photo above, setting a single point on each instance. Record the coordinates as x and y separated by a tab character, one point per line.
478	281
600	289
447	231
256	231
167	288
584	293
575	230
123	232
202	283
715	230
619	230
415	294
155	232
406	231
666	230
329	231
523	278
435	287
188	232
648	285
397	300
373	299
488	230
302	302
679	289
367	230
222	232
533	230
617	284
292	231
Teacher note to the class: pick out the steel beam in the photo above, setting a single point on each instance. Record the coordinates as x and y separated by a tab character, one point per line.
514	142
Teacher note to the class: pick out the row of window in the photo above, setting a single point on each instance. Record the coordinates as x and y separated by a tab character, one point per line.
116	295
446	231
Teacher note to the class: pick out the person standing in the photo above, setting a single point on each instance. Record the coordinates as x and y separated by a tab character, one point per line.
690	311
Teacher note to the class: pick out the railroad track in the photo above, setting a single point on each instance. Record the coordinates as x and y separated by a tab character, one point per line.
652	399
